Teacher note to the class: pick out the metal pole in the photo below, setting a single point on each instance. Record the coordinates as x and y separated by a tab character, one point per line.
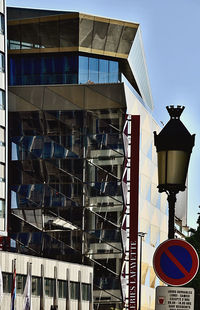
171	201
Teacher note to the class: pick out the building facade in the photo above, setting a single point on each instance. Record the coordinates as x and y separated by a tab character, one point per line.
72	85
66	285
3	122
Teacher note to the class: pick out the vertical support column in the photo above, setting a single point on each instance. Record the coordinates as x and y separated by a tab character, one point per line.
91	292
55	291
13	291
84	188
80	291
67	289
30	274
42	291
134	204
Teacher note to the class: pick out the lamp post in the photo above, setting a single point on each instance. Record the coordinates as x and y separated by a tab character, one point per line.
141	235
174	146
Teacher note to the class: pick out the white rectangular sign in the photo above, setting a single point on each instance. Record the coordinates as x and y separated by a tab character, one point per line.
174	298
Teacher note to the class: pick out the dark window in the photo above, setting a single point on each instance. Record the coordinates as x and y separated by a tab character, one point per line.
43	69
2	100
36	283
2	62
86	291
7	282
62	289
2	207
49	284
20	283
2	24
74	290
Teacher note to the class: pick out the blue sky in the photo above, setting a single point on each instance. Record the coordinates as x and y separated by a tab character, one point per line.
170	31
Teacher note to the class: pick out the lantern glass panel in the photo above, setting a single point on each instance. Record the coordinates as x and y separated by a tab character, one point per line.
172	167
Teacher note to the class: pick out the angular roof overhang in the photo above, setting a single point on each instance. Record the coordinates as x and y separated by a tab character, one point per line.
67	97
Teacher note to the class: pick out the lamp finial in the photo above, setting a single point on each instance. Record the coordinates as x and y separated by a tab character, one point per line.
175	112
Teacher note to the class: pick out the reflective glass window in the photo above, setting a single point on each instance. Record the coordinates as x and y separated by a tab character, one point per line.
13	45
113	71
14	36
83	69
20	283
36	282
43	69
62	289
103	71
70	37
93	70
2	100
2	208
86	291
48	284
2	62
2	23
29	35
7	282
49	34
74	290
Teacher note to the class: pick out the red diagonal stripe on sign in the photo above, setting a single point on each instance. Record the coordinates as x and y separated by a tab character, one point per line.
176	262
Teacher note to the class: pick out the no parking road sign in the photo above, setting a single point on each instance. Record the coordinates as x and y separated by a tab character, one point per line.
175	262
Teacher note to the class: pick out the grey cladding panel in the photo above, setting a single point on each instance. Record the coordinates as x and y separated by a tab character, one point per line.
99	35
126	40
113	37
85	32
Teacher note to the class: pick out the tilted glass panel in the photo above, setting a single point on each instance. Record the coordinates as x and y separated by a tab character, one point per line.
68	32
113	71
83	69
29	36
14	37
49	34
93	70
103	71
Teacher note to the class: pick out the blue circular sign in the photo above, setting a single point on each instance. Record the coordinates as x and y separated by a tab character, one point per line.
175	262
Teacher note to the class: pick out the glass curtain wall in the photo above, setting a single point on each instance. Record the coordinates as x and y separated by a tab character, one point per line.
66	192
60	69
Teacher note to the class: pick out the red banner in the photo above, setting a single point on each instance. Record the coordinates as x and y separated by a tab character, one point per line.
134	204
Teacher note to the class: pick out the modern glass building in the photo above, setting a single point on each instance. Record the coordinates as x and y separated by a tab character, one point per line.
73	79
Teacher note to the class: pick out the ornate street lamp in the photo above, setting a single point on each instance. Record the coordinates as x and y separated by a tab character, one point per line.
174	146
